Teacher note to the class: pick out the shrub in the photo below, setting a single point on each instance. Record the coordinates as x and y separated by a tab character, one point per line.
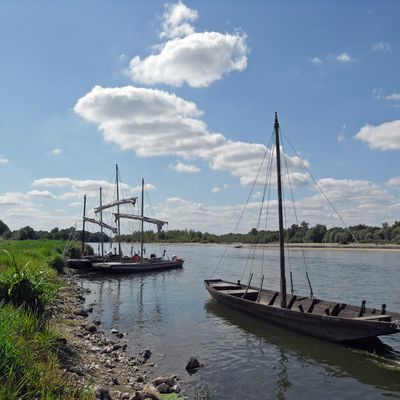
25	288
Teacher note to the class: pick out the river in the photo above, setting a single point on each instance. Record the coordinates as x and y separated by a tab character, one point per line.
173	315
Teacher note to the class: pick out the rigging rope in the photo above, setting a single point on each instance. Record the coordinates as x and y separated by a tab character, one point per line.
297	223
243	211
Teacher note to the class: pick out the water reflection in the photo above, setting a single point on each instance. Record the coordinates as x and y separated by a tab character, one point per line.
372	363
171	313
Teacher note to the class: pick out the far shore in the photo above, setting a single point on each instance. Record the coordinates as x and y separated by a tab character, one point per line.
329	246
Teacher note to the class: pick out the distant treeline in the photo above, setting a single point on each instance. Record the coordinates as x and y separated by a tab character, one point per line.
28	233
302	233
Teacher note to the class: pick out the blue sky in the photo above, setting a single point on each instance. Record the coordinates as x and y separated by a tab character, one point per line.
183	94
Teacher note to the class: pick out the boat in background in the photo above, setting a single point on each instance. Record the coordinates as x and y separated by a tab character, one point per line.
334	321
116	262
137	262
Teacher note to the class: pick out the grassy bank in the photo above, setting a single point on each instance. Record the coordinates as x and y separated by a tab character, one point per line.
29	345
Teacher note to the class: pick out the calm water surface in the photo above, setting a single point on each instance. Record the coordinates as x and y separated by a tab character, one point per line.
172	314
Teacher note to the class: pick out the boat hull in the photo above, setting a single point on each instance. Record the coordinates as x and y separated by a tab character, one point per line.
136	267
326	327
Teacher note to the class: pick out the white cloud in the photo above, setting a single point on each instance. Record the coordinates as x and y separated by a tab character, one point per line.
393	96
215	189
316	61
157	123
382	137
394	183
176	21
56	152
344	58
226	186
79	187
3	160
41	194
195	58
382	47
188	168
357	201
198	60
14	199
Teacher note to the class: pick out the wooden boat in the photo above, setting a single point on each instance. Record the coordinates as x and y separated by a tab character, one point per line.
116	262
338	322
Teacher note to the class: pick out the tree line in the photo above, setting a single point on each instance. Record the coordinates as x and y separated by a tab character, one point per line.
302	233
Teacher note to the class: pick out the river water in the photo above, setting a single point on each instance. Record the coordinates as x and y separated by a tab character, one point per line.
173	315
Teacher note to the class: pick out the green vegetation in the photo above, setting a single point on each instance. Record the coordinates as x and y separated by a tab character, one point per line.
29	363
302	233
28	233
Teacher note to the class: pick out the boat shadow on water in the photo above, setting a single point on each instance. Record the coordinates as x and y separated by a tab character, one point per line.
371	362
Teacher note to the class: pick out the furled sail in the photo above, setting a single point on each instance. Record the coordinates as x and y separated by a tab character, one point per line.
94	221
130	200
154	221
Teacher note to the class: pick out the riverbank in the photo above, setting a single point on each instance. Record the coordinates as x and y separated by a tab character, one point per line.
48	347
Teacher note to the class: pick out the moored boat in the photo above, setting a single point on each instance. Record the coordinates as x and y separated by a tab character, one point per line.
334	321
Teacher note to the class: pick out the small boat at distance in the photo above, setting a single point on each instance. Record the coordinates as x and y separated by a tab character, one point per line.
334	321
111	263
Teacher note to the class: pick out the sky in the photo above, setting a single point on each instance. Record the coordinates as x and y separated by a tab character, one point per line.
183	94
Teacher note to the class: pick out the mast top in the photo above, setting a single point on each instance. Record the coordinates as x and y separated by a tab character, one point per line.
276	119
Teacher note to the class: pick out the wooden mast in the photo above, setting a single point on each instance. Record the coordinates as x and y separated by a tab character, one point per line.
281	233
83	224
101	226
118	221
142	223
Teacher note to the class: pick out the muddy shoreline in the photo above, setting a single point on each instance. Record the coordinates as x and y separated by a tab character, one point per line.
90	359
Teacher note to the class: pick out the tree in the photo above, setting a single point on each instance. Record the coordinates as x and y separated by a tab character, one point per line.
26	233
3	227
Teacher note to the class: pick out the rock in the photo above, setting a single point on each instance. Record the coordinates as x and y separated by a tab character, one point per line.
140	378
114	381
107	350
76	370
116	347
164	388
151	364
192	364
89	328
151	392
82	312
97	322
137	396
102	394
146	354
161	379
114	331
119	335
125	396
176	388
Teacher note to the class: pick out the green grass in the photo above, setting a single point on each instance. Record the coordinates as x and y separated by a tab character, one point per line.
29	283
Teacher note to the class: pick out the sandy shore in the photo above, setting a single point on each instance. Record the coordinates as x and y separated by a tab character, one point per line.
329	246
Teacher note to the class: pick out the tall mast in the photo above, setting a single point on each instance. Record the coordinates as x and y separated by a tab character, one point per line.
142	223
101	226
83	224
281	237
118	221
